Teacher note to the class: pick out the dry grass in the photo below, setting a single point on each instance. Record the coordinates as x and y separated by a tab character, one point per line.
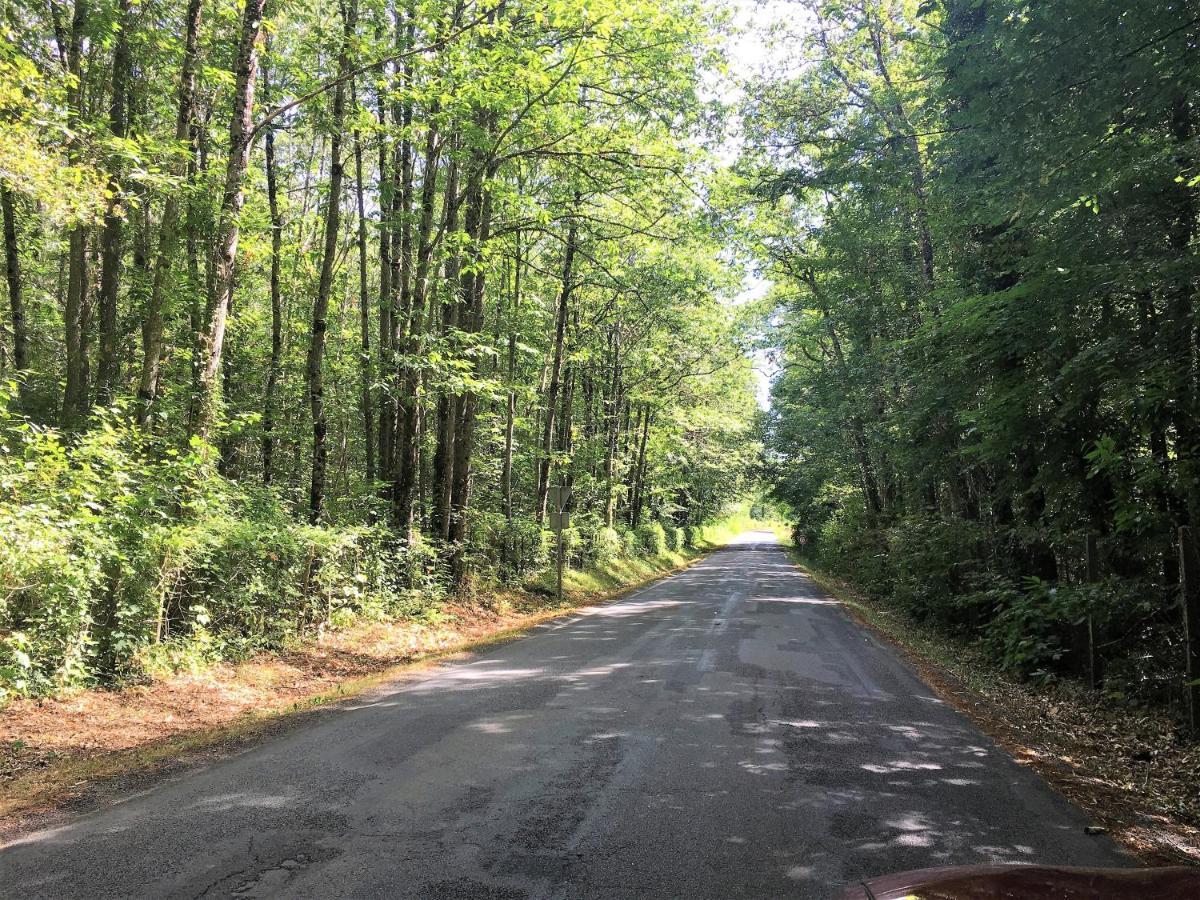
54	751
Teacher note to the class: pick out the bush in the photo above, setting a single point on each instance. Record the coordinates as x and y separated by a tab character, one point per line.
674	539
849	549
117	554
631	546
1030	633
652	539
934	563
692	536
603	545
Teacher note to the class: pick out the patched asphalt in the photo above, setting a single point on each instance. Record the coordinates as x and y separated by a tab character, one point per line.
727	732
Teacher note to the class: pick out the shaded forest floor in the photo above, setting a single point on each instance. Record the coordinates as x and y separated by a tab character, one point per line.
70	753
1127	768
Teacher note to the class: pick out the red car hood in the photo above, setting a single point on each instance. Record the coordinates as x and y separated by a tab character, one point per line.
1031	883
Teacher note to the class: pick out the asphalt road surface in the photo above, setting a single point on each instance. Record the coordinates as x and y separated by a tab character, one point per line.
728	732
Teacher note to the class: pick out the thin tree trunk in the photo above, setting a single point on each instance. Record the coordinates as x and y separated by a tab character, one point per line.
168	234
16	301
639	493
224	250
364	314
447	409
613	420
320	324
75	395
275	365
111	238
510	412
556	367
387	207
478	222
408	459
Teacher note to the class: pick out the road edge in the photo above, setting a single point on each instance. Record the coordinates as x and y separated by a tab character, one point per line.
79	787
1127	824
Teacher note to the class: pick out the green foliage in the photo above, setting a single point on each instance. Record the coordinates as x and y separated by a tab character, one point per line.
531	296
932	563
112	551
601	545
985	256
674	539
631	545
652	539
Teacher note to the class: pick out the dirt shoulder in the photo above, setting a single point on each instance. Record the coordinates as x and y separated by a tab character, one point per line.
1127	768
63	756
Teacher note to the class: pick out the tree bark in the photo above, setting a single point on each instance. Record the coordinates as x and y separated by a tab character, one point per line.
510	411
408	460
447	408
224	251
613	420
75	314
556	367
478	225
320	324
639	484
168	233
111	238
16	300
364	318
275	364
387	204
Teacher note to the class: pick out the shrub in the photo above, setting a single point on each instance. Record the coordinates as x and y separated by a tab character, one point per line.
652	539
674	539
117	554
604	545
848	548
692	535
630	545
934	562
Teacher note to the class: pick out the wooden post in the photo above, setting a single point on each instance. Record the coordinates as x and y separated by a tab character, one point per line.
1092	575
558	497
1189	595
561	561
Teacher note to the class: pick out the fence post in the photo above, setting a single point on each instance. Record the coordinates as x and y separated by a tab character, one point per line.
1189	595
1091	576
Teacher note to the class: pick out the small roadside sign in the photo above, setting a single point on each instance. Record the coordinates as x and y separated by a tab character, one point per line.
556	507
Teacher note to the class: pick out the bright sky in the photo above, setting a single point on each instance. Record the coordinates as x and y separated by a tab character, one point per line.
750	53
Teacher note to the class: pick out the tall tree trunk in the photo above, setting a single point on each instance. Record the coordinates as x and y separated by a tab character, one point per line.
1181	312
613	421
109	368
556	367
478	224
75	395
447	408
408	460
275	364
168	233
320	315
510	411
16	301
364	318
387	210
224	251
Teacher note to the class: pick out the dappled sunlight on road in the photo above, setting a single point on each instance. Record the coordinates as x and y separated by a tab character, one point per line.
728	727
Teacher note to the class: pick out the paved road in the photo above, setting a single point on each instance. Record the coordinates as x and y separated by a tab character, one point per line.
728	732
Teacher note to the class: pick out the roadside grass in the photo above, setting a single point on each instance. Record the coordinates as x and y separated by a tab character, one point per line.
1126	767
59	755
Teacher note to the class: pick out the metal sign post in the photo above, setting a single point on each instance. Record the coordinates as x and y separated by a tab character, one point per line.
560	520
